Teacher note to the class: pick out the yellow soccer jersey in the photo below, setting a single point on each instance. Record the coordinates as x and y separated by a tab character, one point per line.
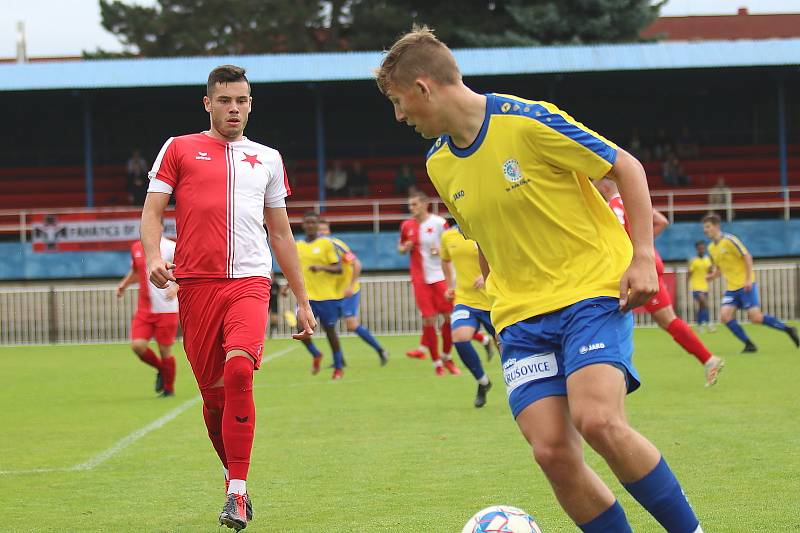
699	267
319	285
348	259
728	255
549	237
463	253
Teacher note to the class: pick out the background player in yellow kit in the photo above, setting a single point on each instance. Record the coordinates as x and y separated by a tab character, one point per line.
699	269
466	288
732	261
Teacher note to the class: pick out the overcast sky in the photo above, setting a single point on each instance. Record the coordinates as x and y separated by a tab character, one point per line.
67	27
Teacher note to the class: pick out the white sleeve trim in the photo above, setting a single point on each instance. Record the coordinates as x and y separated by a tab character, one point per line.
156	185
276	203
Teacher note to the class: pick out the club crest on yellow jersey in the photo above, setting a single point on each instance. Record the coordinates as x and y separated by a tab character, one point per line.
512	171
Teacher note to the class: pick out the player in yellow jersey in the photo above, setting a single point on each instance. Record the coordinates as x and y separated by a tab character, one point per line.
699	268
350	289
322	269
465	284
561	273
731	260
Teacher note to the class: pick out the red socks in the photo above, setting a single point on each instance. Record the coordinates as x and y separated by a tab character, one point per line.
447	338
168	373
684	336
430	340
213	407
151	359
480	337
239	417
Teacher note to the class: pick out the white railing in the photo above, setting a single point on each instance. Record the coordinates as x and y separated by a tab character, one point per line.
374	212
93	314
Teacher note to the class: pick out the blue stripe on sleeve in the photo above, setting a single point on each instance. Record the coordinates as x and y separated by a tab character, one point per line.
736	242
573	131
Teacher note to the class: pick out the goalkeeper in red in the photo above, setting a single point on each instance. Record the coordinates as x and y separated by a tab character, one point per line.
561	274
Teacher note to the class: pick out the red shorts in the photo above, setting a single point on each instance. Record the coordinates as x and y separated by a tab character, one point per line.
162	326
220	315
660	300
430	298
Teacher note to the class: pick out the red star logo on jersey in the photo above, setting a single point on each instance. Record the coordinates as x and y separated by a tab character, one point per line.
252	159
428	230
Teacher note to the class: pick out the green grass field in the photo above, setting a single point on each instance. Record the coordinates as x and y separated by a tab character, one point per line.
386	449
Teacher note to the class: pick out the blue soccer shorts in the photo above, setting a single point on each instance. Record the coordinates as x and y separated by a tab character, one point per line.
464	315
742	298
696	294
540	353
328	311
350	305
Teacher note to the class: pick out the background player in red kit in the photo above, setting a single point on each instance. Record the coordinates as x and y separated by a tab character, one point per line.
660	305
156	316
226	188
420	237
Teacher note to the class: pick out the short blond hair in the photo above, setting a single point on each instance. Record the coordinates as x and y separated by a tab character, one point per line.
415	54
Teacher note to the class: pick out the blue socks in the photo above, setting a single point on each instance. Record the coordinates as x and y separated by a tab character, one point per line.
338	360
702	316
612	520
470	358
313	350
367	337
660	493
737	330
773	322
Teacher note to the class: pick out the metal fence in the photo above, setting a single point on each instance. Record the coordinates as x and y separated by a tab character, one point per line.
68	314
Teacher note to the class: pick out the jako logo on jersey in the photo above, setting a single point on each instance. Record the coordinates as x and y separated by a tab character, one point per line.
458	195
596	346
203	156
511	170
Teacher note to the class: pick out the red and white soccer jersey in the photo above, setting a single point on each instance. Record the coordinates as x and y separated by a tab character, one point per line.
151	298
156	316
662	298
426	266
220	189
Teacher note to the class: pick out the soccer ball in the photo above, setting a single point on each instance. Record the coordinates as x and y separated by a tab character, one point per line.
501	519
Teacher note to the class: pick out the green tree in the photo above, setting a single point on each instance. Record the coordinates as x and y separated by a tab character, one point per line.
218	27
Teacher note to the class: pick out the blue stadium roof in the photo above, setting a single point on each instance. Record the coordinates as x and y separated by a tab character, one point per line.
282	68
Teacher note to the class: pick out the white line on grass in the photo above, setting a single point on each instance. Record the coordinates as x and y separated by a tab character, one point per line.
129	439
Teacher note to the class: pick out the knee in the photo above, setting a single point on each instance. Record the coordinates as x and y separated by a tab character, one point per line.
239	373
139	347
602	431
352	324
463	335
429	321
757	317
556	460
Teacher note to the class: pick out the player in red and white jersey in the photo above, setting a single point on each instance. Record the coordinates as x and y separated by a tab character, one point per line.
156	316
226	187
421	237
660	305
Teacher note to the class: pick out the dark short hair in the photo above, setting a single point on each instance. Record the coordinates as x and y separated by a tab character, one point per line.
713	218
225	74
310	214
323	220
698	243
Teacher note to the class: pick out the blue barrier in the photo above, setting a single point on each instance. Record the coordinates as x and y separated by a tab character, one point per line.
377	251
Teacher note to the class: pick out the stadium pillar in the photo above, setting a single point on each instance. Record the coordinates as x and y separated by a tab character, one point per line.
87	149
782	133
320	146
